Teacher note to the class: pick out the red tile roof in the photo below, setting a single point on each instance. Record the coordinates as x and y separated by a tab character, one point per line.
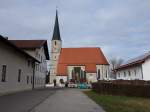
3	39
88	57
32	44
27	44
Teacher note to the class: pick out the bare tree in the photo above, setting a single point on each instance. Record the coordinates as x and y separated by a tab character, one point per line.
114	63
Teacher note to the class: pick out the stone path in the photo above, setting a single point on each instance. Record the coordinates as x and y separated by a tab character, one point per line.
68	100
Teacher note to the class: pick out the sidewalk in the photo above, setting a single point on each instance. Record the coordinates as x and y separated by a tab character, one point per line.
68	100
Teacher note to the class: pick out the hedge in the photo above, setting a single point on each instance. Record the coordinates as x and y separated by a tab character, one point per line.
135	88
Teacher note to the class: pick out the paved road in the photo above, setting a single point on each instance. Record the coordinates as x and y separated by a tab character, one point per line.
24	101
68	100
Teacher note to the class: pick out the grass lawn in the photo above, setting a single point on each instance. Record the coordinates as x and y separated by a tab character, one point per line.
120	103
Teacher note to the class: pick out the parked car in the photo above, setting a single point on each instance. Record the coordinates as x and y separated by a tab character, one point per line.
84	86
72	85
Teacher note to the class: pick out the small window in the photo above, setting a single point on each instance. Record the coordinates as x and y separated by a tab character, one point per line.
135	72
124	74
129	73
19	75
28	63
31	79
55	43
118	74
27	79
3	73
41	59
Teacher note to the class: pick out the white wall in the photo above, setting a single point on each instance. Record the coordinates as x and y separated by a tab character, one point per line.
14	60
146	69
40	68
70	68
104	71
91	77
135	73
61	77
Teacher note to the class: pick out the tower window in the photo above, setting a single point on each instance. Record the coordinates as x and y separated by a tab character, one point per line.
55	42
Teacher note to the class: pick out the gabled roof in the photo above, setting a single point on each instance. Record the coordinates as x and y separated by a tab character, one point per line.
28	44
135	61
88	57
56	33
32	44
17	48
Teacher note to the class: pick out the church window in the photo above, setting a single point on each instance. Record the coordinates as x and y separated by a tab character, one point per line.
106	73
98	74
55	43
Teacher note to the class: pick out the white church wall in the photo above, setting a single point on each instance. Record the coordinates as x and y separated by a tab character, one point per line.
104	71
91	77
61	77
70	68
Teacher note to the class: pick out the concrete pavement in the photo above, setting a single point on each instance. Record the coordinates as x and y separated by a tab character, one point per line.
24	101
68	100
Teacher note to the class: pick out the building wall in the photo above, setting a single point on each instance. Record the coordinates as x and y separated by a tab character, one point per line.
146	69
104	71
40	68
131	73
61	77
70	68
55	52
14	61
91	77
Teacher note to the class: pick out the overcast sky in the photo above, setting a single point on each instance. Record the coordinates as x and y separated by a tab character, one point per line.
120	27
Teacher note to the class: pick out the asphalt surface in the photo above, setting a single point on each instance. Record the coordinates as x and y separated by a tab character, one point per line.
24	101
68	100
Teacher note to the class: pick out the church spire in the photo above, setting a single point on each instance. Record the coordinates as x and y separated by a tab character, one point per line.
56	33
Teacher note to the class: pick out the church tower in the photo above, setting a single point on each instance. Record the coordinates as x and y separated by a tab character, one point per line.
56	45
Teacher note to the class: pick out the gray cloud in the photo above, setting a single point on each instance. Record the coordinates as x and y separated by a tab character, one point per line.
120	27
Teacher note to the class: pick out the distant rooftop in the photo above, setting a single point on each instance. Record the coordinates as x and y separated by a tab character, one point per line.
135	61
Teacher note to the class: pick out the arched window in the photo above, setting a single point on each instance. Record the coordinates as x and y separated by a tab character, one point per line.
55	43
98	77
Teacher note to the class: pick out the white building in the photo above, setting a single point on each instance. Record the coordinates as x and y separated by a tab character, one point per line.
16	68
39	50
137	68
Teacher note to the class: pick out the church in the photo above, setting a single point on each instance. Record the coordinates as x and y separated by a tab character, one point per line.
83	64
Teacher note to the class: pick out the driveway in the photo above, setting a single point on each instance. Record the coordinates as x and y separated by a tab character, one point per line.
24	101
68	100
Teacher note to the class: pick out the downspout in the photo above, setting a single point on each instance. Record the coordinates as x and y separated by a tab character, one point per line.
33	65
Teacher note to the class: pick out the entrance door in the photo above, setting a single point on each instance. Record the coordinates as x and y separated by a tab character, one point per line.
78	75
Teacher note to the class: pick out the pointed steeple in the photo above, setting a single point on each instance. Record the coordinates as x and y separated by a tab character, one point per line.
56	33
